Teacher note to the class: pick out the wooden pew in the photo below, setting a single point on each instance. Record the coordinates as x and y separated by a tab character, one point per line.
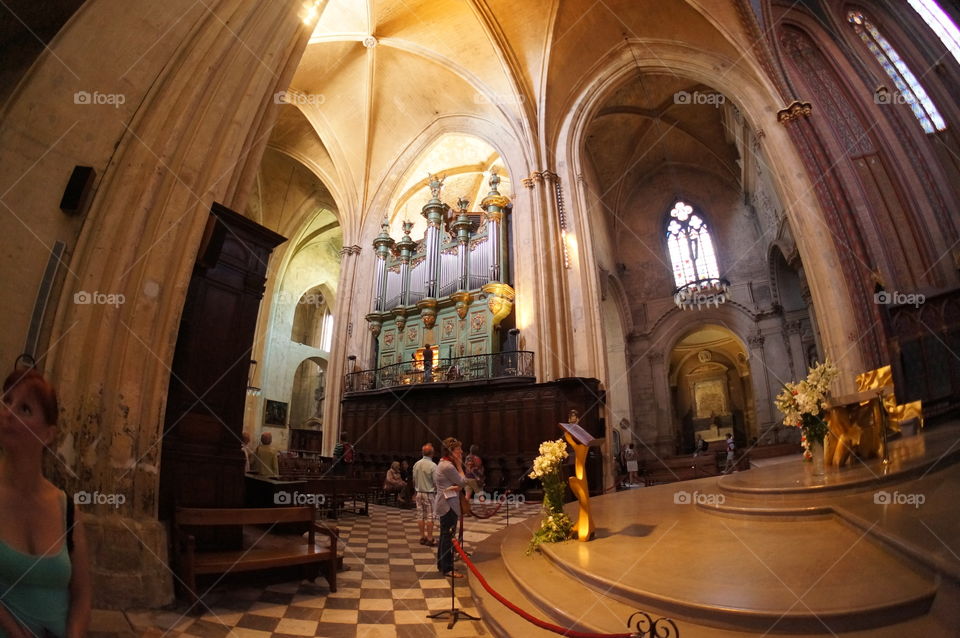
192	561
679	468
337	491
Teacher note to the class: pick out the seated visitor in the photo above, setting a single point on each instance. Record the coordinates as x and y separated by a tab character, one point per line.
394	483
473	466
265	459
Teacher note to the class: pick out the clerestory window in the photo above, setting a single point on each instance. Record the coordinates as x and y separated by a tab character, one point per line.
691	247
908	88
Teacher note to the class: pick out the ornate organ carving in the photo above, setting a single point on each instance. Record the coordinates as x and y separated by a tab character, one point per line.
449	289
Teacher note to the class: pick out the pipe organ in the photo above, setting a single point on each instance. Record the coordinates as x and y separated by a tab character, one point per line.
451	288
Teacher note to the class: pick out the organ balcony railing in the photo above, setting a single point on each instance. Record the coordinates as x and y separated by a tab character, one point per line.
500	366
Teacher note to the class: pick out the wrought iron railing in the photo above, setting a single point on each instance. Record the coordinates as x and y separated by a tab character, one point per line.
480	367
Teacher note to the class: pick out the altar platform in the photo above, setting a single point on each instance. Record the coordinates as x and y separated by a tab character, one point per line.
870	550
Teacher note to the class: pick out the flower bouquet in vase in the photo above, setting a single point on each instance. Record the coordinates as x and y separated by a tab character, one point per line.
803	403
556	525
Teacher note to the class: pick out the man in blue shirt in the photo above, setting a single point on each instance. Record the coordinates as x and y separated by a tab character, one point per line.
449	480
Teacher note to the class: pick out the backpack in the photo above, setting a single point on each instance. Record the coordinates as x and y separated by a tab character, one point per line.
347	453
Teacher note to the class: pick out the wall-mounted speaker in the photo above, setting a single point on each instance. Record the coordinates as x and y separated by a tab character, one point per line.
78	190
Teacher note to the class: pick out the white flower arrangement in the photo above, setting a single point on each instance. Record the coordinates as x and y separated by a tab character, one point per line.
552	454
556	525
803	402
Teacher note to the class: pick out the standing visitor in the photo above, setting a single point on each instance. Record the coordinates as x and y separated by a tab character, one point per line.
343	455
633	467
426	491
730	452
449	480
44	569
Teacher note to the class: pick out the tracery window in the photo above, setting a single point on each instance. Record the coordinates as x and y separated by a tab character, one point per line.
690	245
940	23
906	83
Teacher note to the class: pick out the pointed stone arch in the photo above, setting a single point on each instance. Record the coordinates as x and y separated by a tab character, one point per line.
747	87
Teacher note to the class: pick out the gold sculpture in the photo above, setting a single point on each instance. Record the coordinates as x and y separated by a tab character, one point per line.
858	425
578	483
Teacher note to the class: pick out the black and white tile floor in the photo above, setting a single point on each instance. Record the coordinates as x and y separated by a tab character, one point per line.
391	585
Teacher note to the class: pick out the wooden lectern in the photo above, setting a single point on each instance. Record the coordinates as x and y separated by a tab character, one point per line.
581	441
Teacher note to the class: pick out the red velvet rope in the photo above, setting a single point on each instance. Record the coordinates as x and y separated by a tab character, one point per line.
473	512
536	621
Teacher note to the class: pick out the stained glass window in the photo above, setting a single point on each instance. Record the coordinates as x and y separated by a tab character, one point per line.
907	86
690	246
940	23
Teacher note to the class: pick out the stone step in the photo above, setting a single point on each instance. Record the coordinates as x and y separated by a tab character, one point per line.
537	586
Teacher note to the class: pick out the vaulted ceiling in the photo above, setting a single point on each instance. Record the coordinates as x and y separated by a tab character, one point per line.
381	78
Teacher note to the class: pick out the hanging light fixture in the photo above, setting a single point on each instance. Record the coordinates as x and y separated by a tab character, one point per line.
702	292
698	282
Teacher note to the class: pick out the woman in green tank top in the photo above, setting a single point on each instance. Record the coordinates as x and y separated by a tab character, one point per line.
44	571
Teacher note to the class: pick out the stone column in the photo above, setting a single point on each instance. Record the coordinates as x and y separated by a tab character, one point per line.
353	344
661	394
760	374
552	315
178	153
795	345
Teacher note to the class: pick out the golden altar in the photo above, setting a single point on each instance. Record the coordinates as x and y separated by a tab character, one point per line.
860	423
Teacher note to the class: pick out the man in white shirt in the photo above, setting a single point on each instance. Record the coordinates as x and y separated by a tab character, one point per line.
425	494
449	480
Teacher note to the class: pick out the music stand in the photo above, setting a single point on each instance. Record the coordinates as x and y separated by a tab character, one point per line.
455	613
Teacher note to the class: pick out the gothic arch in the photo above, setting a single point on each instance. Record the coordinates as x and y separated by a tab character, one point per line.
753	94
897	183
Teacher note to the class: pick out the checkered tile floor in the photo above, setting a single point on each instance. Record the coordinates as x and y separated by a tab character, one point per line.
391	585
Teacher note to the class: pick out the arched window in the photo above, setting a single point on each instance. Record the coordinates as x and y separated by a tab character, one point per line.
312	321
906	83
940	23
690	245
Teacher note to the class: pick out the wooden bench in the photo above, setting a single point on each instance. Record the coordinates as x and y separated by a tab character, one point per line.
278	552
682	468
337	491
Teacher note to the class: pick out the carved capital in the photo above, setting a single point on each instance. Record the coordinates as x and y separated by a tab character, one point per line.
756	341
792	327
428	312
794	110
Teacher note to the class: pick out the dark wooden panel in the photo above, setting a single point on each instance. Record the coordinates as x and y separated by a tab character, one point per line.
507	422
923	343
202	464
